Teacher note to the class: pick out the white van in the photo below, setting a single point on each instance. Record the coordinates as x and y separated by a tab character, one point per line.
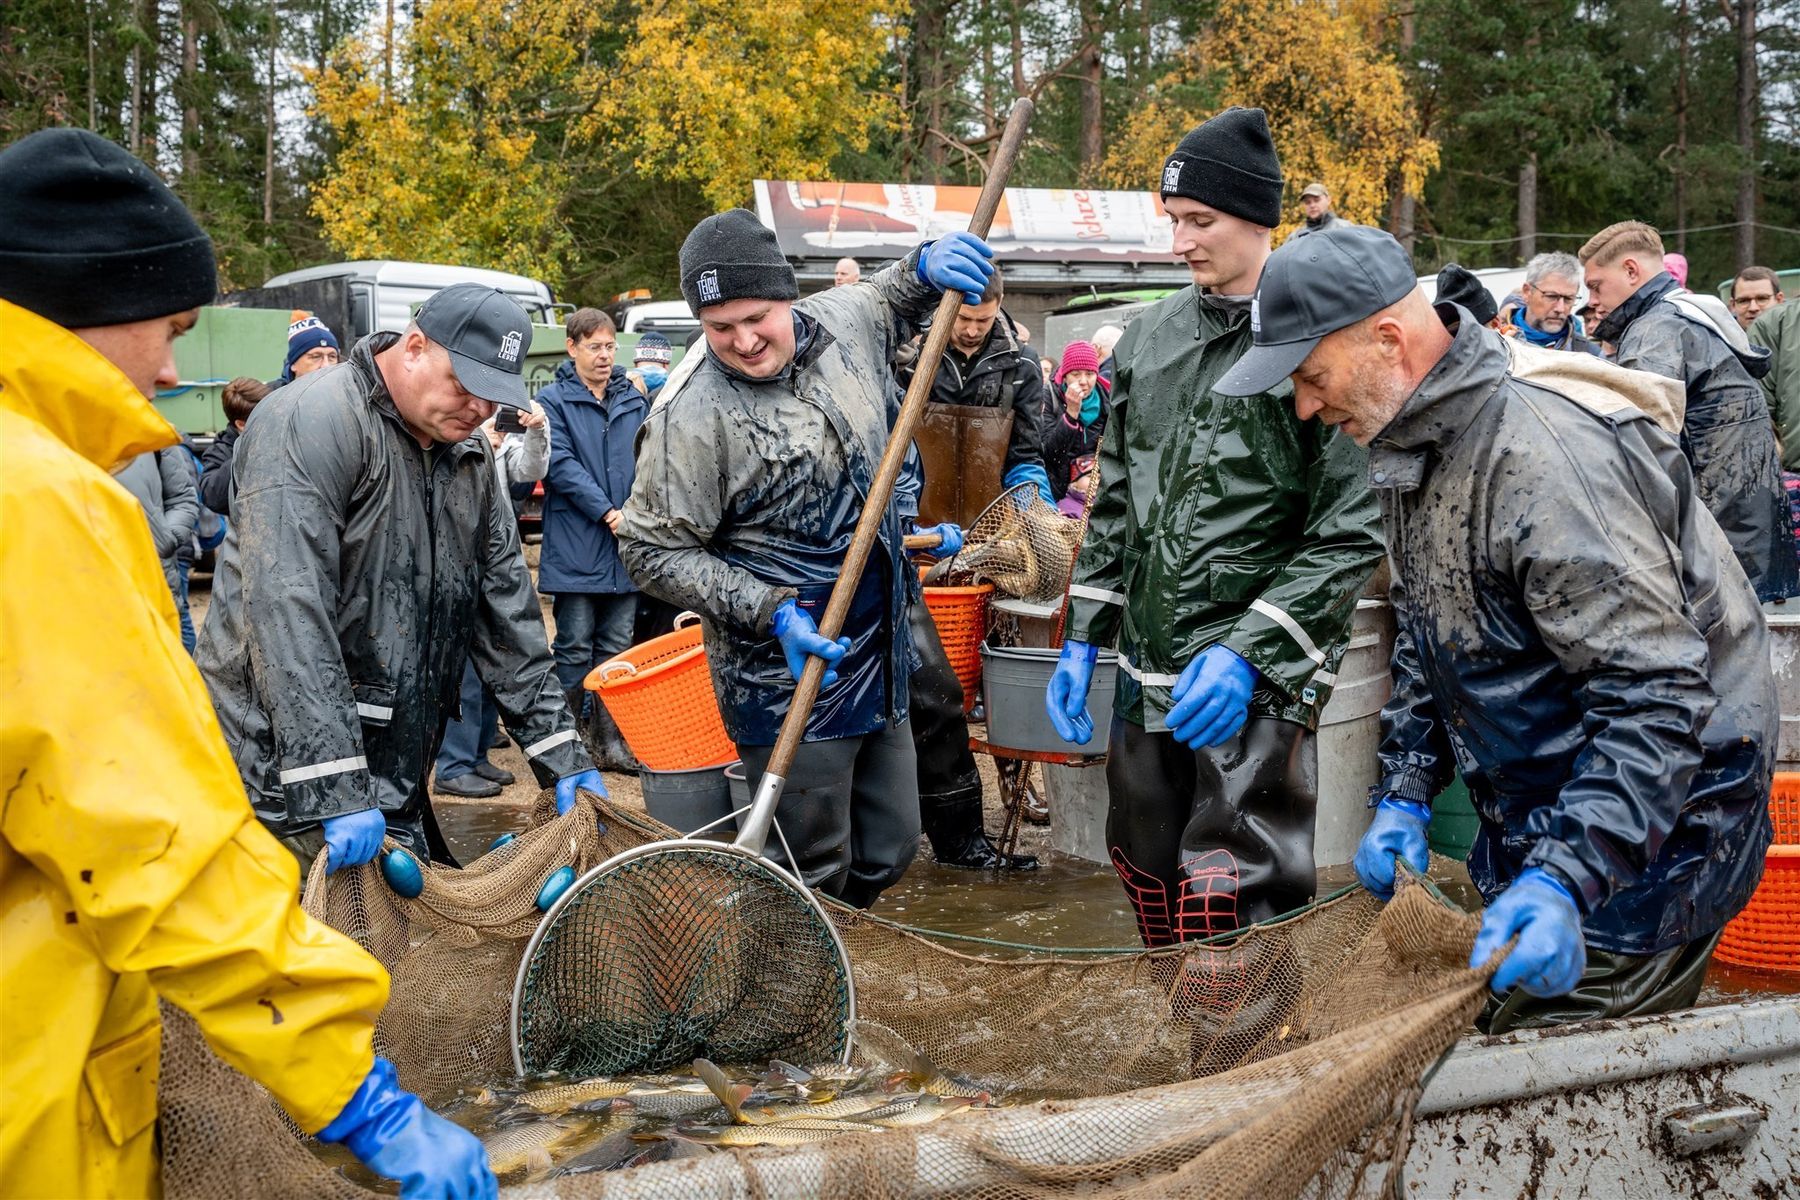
383	294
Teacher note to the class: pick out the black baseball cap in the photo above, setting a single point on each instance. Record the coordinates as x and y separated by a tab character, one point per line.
487	335
1312	286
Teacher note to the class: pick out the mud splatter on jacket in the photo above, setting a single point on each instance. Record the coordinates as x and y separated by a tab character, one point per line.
359	571
747	495
1576	636
1219	520
1728	438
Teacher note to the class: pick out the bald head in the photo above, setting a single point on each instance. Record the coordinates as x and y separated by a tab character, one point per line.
1358	377
847	271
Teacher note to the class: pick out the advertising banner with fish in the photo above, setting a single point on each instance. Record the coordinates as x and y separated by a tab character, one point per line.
886	220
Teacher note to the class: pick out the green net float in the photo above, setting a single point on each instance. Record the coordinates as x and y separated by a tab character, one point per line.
403	873
556	885
500	841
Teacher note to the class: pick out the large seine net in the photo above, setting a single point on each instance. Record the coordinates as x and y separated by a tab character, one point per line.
1022	545
1285	1063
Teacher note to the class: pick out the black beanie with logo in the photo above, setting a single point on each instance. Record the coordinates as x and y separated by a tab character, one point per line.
90	236
1229	163
733	256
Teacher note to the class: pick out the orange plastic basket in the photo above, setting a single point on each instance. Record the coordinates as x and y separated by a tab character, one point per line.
1766	935
660	694
961	617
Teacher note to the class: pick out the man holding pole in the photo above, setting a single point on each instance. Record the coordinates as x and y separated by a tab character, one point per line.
752	472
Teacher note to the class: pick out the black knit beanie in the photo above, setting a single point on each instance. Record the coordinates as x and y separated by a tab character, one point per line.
1458	285
1229	163
90	236
733	256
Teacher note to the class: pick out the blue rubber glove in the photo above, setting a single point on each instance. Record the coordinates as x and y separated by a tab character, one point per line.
352	839
396	1136
1397	832
951	535
1212	698
565	789
1066	697
1551	952
1030	473
799	637
957	261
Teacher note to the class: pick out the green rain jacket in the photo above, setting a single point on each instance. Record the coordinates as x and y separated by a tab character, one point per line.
1219	520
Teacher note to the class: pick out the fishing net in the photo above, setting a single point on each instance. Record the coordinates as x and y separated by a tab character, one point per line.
1282	1063
683	953
1022	545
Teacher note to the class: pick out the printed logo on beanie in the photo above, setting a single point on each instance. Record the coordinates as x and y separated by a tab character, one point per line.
707	286
509	347
1172	175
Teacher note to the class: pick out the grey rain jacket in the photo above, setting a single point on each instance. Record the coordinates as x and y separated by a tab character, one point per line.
747	495
359	572
164	484
1577	638
1728	438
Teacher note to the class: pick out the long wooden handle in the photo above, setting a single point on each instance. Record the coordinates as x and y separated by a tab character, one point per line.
868	526
923	541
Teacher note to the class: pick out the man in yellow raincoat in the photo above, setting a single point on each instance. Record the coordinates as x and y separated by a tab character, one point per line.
131	866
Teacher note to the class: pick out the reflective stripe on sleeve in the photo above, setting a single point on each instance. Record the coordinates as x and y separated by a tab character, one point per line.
336	766
1084	592
550	743
377	712
1292	627
1324	678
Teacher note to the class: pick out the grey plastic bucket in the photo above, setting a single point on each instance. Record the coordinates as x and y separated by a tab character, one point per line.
1014	679
739	783
689	800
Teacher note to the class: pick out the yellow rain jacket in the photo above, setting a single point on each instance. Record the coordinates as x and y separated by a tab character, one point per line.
130	864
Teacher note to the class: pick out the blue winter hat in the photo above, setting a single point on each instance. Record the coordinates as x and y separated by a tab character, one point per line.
308	333
653	347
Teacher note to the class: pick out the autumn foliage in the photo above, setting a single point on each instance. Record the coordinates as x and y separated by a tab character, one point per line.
1338	106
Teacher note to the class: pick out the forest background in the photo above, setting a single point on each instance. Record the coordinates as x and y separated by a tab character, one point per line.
578	140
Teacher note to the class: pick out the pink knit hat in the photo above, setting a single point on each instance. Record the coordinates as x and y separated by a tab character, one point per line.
1676	265
1078	356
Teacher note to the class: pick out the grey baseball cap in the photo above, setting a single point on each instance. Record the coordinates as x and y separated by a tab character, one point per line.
1312	286
1315	189
487	335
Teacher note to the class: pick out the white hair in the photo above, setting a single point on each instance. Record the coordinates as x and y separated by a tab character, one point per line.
1553	262
1105	338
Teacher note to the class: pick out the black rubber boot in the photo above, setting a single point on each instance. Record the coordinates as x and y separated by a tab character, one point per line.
953	823
610	751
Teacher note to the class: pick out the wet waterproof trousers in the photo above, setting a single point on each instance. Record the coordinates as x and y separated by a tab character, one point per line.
1208	841
849	812
1612	985
949	786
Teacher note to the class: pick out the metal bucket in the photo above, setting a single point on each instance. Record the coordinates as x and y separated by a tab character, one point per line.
1784	658
1350	734
690	800
1013	681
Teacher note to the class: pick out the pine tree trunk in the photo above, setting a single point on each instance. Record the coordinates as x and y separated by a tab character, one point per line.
929	55
274	35
190	85
1745	209
387	55
1403	208
1682	39
1091	142
1528	189
93	108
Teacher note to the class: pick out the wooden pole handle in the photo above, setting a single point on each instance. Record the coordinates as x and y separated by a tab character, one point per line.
868	526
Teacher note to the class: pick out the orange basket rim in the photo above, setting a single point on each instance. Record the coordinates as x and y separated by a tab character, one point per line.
972	588
1784	852
598	679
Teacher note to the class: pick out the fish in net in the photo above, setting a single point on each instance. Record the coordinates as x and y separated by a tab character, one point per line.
1280	1062
1020	544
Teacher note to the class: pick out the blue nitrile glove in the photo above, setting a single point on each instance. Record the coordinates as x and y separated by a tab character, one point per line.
1090	407
957	261
799	637
352	839
951	536
565	789
1212	698
1397	832
1551	952
1066	697
1030	473
396	1136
